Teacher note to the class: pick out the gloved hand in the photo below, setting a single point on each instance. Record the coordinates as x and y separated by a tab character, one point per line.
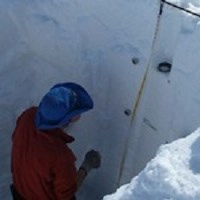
92	161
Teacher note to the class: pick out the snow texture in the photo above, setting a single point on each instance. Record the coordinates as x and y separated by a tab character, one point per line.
93	43
173	174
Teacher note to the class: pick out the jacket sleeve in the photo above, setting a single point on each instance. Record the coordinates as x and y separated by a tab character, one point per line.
65	176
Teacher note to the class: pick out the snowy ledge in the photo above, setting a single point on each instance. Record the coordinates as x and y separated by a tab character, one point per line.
173	174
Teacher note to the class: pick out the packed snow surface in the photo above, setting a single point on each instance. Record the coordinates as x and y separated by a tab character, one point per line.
93	43
174	174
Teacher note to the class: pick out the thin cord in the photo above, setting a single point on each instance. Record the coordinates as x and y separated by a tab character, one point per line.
181	8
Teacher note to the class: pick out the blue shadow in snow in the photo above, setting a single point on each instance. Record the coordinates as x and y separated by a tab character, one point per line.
195	157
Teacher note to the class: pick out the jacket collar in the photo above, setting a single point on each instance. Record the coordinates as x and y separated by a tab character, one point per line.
60	134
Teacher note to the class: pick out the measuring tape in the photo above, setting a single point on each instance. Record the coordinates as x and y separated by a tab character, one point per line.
135	107
140	92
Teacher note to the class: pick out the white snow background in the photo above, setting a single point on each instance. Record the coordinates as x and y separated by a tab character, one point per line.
93	43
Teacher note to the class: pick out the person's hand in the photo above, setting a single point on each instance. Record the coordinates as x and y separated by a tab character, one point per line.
92	161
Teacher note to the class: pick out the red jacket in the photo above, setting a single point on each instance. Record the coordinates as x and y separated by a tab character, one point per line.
43	167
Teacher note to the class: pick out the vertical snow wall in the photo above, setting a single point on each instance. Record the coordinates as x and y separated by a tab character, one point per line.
93	43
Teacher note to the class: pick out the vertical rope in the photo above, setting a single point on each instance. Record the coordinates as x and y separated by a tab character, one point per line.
140	92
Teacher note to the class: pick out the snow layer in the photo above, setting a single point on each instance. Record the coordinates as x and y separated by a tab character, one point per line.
93	43
173	174
45	42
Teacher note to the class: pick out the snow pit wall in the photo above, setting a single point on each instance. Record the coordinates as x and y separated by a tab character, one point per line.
45	42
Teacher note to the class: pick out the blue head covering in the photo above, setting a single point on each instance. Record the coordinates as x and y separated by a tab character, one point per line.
60	104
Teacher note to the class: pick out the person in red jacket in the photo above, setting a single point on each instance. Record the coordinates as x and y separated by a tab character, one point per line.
42	165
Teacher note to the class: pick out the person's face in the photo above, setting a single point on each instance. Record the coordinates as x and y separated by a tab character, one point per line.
75	119
72	121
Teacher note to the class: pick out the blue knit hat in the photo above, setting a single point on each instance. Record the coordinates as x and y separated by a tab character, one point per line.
60	104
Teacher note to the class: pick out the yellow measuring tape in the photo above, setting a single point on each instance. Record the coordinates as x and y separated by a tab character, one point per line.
138	97
140	92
